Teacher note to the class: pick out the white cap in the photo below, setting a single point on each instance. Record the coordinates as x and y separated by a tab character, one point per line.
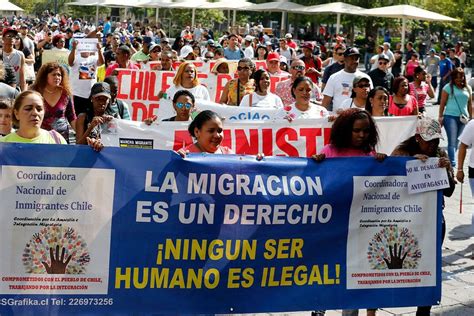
283	59
249	38
288	35
185	51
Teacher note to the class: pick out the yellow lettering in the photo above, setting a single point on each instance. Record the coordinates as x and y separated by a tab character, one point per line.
119	277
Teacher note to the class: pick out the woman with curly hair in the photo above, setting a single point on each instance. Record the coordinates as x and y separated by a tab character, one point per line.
52	82
353	134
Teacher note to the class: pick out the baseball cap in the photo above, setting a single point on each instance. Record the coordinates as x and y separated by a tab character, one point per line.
9	30
185	51
249	38
147	40
283	59
432	50
165	40
384	56
359	78
308	45
211	42
100	88
288	35
268	43
351	51
428	128
273	56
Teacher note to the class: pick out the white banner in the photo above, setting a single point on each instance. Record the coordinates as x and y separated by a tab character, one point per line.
86	45
300	138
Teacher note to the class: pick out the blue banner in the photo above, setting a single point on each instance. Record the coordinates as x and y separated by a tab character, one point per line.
146	231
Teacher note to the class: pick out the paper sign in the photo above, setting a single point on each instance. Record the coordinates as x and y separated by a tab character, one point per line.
86	45
426	176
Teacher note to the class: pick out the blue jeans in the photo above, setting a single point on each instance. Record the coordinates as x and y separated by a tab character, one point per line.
454	128
367	63
434	82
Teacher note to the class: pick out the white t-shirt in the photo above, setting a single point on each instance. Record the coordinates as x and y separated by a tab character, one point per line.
339	87
83	75
249	52
349	103
467	137
199	92
269	100
315	111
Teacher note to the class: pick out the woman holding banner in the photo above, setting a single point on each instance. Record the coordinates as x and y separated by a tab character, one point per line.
262	97
303	107
208	133
52	82
423	145
187	79
237	88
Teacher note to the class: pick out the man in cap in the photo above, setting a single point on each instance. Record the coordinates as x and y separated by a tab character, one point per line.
26	40
336	66
286	51
273	66
233	52
381	76
312	62
339	85
142	54
249	51
13	57
283	88
432	67
210	47
83	75
289	41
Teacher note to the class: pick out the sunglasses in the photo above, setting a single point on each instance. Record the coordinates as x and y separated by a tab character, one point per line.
180	105
339	54
383	62
364	85
299	68
242	68
11	36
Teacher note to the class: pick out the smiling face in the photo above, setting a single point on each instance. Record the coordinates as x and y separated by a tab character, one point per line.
362	89
210	135
31	112
379	102
403	88
360	133
189	73
273	66
264	82
55	78
351	63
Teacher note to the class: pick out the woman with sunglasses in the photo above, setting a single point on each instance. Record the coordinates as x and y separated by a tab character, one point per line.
360	91
237	88
402	103
421	87
183	104
262	97
58	43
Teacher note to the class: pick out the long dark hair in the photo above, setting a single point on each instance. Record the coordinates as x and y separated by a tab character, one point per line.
368	105
257	76
456	72
341	131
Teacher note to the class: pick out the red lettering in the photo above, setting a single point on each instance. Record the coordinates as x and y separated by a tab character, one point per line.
151	92
137	109
267	141
151	110
242	144
310	134
260	64
327	135
176	64
281	140
146	86
165	76
274	81
182	139
222	80
227	141
121	74
136	85
202	76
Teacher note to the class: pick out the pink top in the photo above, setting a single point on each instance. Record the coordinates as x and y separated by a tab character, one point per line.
332	152
420	93
221	150
408	109
410	67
